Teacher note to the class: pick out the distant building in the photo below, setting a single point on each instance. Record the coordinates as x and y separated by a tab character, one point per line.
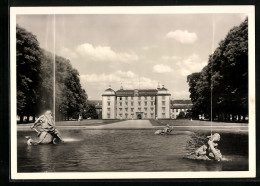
178	106
98	106
136	103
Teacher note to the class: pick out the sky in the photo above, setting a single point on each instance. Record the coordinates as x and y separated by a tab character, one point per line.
135	51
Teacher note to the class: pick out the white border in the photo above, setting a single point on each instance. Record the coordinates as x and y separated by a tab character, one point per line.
249	10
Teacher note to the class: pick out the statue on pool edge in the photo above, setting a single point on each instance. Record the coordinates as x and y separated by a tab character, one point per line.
48	133
210	151
167	130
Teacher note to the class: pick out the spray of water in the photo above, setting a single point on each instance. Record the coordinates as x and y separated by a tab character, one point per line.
54	63
71	139
211	87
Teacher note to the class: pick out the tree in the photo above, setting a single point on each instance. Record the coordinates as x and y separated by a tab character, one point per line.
35	81
70	98
230	73
193	80
46	90
181	115
28	62
73	97
227	75
90	112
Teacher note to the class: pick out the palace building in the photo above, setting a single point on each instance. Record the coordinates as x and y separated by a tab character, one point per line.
136	104
178	106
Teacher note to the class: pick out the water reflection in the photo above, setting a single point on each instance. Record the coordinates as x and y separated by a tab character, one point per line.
128	150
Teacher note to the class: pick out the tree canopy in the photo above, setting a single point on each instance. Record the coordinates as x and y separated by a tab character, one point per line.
227	75
90	112
29	57
35	81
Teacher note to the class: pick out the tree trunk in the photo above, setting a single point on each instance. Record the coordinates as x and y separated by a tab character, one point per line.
21	119
244	118
28	119
228	117
233	117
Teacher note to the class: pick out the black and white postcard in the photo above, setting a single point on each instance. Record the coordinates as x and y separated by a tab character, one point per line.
132	92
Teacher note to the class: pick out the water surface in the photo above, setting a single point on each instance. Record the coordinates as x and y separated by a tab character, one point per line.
128	150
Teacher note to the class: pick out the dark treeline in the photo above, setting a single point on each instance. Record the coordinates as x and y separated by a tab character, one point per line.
35	81
227	75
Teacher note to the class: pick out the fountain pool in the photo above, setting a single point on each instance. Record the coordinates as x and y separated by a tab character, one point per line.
129	150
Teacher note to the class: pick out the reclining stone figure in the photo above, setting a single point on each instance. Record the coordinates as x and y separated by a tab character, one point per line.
48	132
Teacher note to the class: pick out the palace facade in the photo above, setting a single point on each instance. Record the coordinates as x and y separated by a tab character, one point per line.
178	106
136	104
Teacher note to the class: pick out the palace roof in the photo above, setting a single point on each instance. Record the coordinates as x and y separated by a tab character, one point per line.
181	101
109	92
181	104
137	92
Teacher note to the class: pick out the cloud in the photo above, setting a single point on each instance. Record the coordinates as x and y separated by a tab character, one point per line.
191	64
171	58
98	53
67	53
129	80
183	36
149	47
104	53
161	68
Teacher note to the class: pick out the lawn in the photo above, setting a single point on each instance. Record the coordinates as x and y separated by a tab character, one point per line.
187	122
87	122
197	125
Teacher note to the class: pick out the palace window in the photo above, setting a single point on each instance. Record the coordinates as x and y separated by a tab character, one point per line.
120	103
126	103
152	102
132	98
108	103
126	115
132	109
108	97
145	97
132	103
139	103
145	109
139	109
163	102
151	109
177	110
163	109
108	116
163	97
120	109
145	103
126	109
108	109
163	115
151	114
145	115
